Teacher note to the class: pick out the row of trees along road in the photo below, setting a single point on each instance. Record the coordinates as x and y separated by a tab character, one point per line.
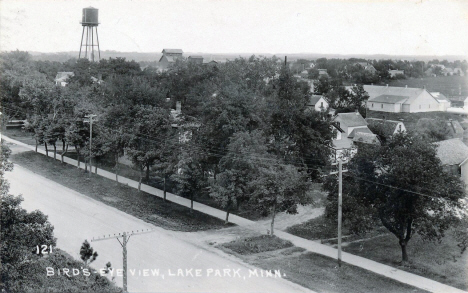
245	137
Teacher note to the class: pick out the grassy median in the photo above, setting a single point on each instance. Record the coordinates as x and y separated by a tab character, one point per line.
142	205
313	271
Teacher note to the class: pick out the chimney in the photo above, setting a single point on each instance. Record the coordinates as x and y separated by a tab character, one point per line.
406	86
356	111
178	107
387	84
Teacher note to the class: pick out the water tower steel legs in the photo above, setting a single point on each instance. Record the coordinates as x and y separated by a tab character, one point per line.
89	42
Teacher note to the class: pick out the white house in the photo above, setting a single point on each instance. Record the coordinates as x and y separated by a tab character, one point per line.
62	78
318	103
400	99
388	128
444	102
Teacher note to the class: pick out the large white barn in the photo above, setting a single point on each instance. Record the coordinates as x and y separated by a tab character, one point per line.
401	99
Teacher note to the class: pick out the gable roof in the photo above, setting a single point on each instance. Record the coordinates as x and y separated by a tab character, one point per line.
368	138
359	130
411	93
172	51
64	75
352	119
439	97
389	99
314	99
452	151
455	127
195	57
388	127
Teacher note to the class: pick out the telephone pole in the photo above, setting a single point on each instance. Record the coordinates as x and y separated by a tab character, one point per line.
340	203
125	237
90	121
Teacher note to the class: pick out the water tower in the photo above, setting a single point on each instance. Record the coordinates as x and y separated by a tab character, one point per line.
91	40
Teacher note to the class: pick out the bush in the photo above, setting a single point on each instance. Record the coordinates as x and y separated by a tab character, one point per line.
257	244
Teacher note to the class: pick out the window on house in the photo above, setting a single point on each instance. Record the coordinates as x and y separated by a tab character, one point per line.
381	106
399	127
372	105
321	104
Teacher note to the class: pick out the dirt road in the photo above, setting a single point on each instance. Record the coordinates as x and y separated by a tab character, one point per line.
183	266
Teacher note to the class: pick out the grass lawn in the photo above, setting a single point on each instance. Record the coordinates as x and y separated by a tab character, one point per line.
313	271
142	205
441	262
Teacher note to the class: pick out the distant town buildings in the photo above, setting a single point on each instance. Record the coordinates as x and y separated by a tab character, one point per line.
394	73
169	57
197	59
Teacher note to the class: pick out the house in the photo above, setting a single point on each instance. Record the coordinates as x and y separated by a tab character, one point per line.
349	124
169	57
400	99
62	77
394	73
318	103
447	71
458	71
195	59
211	63
304	74
366	138
384	127
430	72
367	67
322	72
444	102
453	154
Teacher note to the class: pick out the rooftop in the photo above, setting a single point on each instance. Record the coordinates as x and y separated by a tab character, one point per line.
359	130
352	119
64	75
390	99
314	99
452	151
368	138
411	93
173	51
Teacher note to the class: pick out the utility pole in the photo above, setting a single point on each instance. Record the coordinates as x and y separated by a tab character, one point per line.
90	121
125	237
340	203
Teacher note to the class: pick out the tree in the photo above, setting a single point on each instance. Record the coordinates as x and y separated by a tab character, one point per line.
404	186
238	168
189	175
87	253
433	129
279	188
19	229
152	128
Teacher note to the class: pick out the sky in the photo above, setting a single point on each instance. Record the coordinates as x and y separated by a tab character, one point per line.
394	27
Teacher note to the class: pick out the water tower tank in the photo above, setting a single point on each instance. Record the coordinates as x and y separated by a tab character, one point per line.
90	16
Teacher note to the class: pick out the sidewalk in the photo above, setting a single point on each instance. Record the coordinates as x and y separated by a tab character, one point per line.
315	247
